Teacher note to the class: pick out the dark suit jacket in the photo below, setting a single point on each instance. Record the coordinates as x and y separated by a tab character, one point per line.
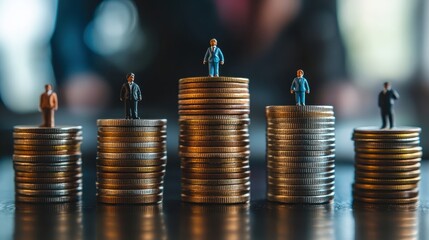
134	94
386	100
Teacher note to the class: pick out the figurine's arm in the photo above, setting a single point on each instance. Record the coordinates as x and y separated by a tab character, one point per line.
206	56
395	95
139	93
55	101
307	87
222	60
379	99
121	95
292	87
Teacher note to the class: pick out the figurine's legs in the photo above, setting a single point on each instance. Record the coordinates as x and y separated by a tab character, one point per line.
216	69
211	69
48	117
297	98
127	109
383	119
302	98
134	109
390	115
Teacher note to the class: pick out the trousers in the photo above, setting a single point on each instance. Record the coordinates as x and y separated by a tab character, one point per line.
131	109
214	69
300	98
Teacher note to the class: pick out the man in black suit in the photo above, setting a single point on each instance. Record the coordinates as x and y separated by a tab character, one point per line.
386	99
130	93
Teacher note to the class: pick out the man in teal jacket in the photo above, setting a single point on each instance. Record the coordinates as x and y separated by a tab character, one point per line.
300	87
213	56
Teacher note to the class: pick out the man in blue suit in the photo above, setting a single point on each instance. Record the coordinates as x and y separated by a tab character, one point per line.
213	56
300	87
386	99
130	94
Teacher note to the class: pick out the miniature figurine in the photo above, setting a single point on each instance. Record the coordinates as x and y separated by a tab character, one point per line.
130	94
213	57
48	104
386	99
300	88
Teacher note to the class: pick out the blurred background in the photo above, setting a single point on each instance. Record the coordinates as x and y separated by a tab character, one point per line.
84	48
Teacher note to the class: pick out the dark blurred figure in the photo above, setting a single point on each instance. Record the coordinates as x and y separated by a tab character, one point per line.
386	100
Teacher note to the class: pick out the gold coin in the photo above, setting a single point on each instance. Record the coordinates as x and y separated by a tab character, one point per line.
130	181
132	150
50	193
389	151
399	141
381	145
214	101
133	129
400	168
384	162
291	115
213	132
40	142
46	148
219	181
47	186
283	135
386	194
48	179
386	181
185	118
217	199
389	156
302	199
302	187
279	181
47	130
132	139
61	199
300	153
304	173
214	106
213	79
292	143
132	156
214	111
209	164
214	143
187	138
297	192
128	192
310	159
215	160
131	169
126	175
387	175
294	108
183	86
277	147
131	122
358	136
215	170
376	130
133	145
131	134
213	90
215	95
53	136
55	175
213	149
46	159
190	175
45	153
280	124
215	155
214	127
380	187
387	200
216	122
157	185
111	199
130	163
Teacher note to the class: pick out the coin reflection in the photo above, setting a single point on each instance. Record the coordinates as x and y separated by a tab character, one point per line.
379	223
229	222
130	222
300	222
48	221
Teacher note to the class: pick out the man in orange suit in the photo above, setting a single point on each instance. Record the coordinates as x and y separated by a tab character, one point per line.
48	104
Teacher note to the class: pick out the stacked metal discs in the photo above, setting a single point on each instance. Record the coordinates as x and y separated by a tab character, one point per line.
300	153
214	139
48	164
131	160
387	165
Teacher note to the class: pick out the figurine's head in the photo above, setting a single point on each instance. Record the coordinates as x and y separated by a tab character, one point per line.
386	85
300	73
130	77
48	87
213	42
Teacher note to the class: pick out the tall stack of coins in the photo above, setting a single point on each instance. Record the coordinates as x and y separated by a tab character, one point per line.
131	160
48	164
214	139
300	154
387	165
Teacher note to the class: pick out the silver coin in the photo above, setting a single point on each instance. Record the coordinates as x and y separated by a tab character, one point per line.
131	122
136	156
47	130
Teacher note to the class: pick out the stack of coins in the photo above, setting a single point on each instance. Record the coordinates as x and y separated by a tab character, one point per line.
387	165
214	139
48	164
131	160
300	154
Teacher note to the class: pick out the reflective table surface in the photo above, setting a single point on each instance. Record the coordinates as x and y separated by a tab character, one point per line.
174	219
